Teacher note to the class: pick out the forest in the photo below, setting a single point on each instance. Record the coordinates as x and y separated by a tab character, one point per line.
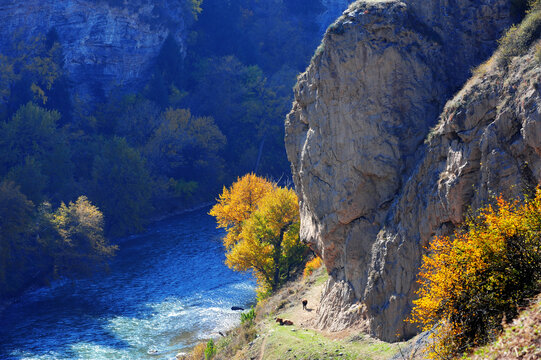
75	173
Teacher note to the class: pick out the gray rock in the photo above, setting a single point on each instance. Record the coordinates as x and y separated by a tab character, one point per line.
355	140
103	46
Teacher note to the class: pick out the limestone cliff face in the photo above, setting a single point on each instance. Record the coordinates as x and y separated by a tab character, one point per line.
103	45
371	192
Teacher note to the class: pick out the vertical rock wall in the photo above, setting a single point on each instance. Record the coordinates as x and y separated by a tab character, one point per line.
356	135
103	45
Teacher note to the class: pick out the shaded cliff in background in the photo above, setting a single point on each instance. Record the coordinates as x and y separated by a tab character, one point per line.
372	193
113	43
145	107
105	44
333	9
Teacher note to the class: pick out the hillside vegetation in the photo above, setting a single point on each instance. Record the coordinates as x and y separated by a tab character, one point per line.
211	110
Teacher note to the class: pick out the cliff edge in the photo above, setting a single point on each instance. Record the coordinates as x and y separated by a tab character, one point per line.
372	192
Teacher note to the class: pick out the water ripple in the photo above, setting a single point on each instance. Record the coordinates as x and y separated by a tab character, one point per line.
167	290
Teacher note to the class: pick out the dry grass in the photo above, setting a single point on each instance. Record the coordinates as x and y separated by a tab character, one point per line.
234	341
198	353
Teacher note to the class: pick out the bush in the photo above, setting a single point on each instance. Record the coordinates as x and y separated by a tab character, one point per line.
247	317
312	265
210	351
236	339
473	280
518	39
198	352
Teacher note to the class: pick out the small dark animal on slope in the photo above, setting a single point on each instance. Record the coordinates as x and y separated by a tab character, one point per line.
284	322
304	303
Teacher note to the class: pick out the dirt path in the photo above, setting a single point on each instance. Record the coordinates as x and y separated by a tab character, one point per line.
304	340
302	318
263	348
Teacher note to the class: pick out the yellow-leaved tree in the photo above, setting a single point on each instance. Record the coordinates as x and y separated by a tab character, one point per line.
481	275
262	224
236	204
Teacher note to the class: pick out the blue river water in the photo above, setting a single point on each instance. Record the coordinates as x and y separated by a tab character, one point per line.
167	289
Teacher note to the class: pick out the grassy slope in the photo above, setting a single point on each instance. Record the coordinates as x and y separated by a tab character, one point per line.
302	340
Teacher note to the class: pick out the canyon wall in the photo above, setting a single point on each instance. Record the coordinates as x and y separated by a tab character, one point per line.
103	45
372	192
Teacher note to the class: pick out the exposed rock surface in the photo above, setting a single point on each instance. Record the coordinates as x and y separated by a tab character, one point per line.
103	45
371	192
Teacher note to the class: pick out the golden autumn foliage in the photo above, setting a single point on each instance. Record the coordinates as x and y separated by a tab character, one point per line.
236	204
312	265
473	280
262	224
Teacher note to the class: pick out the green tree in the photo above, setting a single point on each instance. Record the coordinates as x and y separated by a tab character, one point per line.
32	145
15	225
186	148
167	74
137	120
29	175
121	186
34	71
248	111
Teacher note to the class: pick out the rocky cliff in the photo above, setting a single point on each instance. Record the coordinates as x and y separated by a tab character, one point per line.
372	193
103	45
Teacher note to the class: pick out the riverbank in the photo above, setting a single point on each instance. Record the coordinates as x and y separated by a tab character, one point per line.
167	290
5	303
167	215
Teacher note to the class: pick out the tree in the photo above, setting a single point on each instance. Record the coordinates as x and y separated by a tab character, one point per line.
236	204
81	246
473	280
262	223
34	71
15	223
35	152
121	186
39	244
185	147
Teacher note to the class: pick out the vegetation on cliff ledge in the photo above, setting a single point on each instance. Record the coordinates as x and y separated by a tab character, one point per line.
480	276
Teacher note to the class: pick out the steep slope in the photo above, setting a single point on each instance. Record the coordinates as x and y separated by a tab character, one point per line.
520	340
103	45
370	190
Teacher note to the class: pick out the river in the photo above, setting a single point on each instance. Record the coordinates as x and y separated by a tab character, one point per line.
167	289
